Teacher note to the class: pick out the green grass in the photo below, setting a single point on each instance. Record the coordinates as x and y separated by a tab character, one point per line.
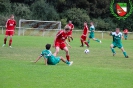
98	69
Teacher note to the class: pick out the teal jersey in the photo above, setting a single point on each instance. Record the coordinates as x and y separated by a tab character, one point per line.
92	29
51	59
117	37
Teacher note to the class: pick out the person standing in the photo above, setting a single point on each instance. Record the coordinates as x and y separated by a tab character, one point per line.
125	33
117	36
10	28
71	30
84	35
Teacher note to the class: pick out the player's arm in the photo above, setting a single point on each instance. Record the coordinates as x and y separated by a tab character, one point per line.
38	58
73	27
45	61
67	44
7	23
110	33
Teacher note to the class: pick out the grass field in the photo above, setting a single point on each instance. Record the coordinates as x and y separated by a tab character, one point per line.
98	69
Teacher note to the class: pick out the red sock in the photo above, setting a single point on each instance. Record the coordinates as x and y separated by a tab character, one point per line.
10	42
5	40
87	44
82	42
68	57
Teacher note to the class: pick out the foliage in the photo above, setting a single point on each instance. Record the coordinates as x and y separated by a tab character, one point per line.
78	16
21	10
43	11
76	10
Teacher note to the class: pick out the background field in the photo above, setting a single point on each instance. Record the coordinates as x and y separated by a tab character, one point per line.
98	69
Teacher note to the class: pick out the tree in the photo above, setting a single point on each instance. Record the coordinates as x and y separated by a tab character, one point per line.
77	15
43	11
22	11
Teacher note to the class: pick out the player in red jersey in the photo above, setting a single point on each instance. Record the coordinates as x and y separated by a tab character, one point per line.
10	27
60	42
125	33
71	30
84	35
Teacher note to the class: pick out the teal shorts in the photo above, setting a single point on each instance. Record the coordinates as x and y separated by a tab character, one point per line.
54	61
91	36
117	45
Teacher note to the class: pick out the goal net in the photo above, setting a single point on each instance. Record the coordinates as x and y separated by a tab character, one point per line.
38	28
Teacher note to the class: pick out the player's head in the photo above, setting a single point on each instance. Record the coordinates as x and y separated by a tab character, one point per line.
85	23
70	22
67	28
117	30
91	23
48	46
12	16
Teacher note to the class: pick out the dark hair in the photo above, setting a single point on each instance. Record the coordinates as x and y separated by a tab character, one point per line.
48	46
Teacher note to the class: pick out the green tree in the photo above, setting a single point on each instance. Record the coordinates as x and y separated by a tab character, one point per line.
43	11
78	16
22	11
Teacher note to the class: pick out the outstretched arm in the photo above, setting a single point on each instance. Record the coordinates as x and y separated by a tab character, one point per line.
37	59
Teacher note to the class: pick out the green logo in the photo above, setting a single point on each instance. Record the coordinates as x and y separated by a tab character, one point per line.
120	10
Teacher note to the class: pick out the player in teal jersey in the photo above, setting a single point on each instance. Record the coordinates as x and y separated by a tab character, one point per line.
50	59
117	36
92	34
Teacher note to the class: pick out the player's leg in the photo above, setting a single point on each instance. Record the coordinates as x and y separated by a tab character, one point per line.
112	49
5	39
96	40
67	53
66	61
124	52
88	40
82	42
84	39
10	41
57	49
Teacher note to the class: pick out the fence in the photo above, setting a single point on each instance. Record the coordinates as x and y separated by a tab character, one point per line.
76	33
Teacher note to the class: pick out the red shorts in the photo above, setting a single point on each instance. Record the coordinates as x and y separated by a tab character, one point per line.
83	37
61	45
9	33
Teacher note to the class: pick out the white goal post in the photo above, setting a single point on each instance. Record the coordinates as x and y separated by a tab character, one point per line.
37	27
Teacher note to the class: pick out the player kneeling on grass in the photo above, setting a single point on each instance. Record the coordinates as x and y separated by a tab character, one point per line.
117	36
50	59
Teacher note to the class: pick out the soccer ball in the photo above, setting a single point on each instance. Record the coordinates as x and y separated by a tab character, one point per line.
86	51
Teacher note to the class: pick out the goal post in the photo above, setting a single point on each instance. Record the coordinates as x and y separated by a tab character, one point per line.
37	27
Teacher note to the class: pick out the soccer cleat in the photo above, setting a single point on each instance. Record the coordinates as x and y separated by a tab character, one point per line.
71	63
114	54
126	57
10	46
100	41
3	45
81	46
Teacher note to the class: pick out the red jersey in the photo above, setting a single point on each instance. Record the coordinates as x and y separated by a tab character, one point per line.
71	26
85	30
61	36
125	31
10	24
